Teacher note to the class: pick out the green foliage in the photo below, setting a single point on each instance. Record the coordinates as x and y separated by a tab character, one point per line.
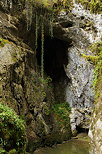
13	151
62	111
98	78
96	48
95	6
45	81
52	4
12	130
3	42
91	58
62	121
2	151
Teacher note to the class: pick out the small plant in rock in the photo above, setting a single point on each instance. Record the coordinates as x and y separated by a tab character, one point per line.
3	42
63	111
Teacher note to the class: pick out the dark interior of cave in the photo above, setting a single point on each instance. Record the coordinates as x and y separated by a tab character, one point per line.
55	57
82	130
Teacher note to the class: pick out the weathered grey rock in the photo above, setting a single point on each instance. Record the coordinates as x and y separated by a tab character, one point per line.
84	28
79	91
95	132
80	119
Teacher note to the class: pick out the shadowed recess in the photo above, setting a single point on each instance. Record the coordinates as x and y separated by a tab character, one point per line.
55	57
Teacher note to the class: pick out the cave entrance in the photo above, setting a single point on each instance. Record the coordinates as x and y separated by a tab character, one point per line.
82	130
55	57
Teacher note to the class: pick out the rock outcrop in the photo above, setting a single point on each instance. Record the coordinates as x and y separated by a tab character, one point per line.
79	71
21	86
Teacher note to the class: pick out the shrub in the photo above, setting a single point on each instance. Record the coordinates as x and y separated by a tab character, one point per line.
12	130
62	112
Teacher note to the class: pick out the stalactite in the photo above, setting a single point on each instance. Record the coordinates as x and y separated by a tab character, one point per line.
51	26
36	32
6	4
29	13
27	17
36	36
10	4
42	49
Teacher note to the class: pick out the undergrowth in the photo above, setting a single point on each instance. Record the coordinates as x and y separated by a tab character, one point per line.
95	6
62	111
12	131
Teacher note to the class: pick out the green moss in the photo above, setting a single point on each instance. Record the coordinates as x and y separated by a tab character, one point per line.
46	110
2	151
62	112
91	58
61	125
3	42
62	129
95	6
98	79
13	151
12	130
96	48
54	6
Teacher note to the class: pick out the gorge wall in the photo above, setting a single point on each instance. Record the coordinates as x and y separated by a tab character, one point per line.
68	74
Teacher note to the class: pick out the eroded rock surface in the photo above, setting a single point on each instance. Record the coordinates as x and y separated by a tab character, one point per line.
20	82
21	85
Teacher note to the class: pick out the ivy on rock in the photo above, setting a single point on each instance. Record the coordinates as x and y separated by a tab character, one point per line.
12	131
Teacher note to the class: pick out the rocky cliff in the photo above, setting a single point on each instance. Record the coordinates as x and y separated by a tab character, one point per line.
68	71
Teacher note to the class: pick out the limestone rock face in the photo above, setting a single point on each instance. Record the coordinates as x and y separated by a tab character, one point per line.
79	91
83	30
80	119
79	71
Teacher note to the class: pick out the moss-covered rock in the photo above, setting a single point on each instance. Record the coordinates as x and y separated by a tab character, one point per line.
96	49
95	131
12	131
2	151
95	6
3	42
61	130
62	121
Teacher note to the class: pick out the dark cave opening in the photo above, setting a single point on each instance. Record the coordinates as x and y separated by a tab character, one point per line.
55	57
82	130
